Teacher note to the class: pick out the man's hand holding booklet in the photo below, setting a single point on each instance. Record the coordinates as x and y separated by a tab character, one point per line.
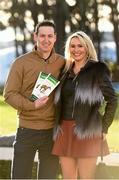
45	84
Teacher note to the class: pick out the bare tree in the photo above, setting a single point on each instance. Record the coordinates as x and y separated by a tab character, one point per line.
62	13
115	21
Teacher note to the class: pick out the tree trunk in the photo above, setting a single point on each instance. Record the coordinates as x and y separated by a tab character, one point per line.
59	19
115	22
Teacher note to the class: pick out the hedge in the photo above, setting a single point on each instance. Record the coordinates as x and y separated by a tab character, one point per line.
5	169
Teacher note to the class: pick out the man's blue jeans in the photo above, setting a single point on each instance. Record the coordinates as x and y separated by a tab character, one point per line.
27	142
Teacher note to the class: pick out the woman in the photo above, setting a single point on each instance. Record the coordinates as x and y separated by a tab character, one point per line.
80	127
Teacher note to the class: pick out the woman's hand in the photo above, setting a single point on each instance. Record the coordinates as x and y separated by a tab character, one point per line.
41	102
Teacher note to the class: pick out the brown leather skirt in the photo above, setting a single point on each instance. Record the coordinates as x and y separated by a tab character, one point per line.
68	144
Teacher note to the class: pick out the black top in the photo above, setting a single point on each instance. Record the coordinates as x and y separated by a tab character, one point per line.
68	92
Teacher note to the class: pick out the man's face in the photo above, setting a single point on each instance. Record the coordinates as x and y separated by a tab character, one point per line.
45	39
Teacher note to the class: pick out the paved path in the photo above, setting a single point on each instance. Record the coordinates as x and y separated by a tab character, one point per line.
6	153
111	159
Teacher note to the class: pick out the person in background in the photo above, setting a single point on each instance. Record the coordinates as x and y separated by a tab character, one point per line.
80	127
36	118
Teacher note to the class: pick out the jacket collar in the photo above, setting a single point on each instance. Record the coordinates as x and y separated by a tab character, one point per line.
50	59
87	65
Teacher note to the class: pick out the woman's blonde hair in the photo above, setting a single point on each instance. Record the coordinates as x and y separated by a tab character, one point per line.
85	42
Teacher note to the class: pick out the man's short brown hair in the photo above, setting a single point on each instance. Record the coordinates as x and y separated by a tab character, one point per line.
45	23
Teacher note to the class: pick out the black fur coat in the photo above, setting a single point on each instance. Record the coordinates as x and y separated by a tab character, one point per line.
93	89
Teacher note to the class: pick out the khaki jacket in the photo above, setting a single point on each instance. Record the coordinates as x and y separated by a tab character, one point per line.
20	83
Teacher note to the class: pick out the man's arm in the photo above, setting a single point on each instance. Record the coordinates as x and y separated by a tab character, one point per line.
13	91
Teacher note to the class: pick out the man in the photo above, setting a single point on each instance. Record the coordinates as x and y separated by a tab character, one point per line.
36	119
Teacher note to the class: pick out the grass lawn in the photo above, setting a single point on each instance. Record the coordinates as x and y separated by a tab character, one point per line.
8	118
8	125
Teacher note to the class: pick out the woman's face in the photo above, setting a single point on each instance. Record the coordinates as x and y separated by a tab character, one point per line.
77	51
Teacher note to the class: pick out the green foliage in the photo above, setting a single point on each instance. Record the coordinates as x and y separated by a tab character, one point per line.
104	171
5	169
117	111
114	68
115	72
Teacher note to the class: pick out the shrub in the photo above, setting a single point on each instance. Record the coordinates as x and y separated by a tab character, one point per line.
5	169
